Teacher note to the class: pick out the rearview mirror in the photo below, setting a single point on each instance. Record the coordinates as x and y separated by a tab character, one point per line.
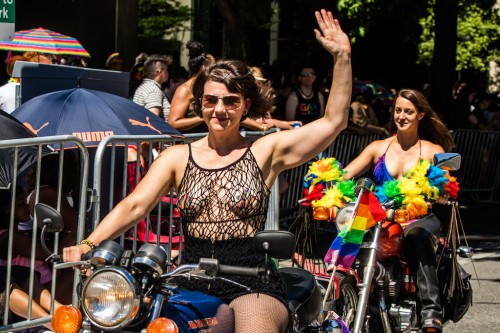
278	244
50	217
450	161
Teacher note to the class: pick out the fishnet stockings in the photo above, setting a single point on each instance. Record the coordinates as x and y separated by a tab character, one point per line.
259	313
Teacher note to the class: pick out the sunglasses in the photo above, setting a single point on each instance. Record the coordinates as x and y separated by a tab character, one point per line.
306	74
230	102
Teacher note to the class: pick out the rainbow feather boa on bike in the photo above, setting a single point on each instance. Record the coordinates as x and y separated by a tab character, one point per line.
424	182
325	187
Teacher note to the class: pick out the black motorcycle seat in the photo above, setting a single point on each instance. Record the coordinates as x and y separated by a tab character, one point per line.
300	285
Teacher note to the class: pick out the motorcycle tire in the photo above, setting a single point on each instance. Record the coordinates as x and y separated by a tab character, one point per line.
345	306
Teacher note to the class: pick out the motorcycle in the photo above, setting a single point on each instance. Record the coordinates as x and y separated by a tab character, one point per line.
129	292
387	300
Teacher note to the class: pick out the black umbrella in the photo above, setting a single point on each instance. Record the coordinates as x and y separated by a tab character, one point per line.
91	115
11	128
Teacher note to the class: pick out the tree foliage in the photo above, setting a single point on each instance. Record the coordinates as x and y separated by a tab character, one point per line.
478	33
478	27
158	18
370	17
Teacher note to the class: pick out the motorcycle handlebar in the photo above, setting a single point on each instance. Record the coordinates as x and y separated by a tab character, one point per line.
241	271
87	255
213	268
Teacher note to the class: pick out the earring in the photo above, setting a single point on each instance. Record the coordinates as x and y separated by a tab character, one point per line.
246	112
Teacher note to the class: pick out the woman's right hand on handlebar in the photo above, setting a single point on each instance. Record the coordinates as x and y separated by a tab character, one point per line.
443	199
74	253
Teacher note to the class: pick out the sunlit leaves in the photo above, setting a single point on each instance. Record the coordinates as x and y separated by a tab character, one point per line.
158	18
478	34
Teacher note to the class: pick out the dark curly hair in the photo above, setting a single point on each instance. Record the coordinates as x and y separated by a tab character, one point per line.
430	127
197	57
238	78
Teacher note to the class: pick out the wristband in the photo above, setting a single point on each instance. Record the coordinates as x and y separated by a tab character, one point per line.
88	243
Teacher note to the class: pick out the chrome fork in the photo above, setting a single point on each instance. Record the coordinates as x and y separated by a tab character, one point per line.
364	287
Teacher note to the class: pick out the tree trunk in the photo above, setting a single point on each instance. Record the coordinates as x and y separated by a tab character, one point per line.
443	66
233	41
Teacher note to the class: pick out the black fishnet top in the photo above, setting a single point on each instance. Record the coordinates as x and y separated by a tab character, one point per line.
221	210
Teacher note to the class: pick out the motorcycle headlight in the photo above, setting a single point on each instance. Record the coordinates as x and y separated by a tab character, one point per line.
111	298
344	216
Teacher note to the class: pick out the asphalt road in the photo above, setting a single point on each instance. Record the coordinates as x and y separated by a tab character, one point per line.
484	315
482	229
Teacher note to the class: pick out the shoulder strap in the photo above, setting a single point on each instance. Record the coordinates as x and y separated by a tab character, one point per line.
390	143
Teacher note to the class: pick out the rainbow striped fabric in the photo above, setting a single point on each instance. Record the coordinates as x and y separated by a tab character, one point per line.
345	246
44	41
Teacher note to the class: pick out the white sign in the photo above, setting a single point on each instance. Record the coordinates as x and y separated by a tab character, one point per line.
7	19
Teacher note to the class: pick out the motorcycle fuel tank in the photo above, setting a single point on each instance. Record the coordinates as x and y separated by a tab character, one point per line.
194	311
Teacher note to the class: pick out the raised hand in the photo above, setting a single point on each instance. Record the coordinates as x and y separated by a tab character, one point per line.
331	36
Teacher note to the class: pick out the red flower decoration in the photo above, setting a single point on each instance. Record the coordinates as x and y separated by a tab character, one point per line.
452	187
315	194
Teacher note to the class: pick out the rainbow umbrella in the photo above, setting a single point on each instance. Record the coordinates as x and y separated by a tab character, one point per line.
44	41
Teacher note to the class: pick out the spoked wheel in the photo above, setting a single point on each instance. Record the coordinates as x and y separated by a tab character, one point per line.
345	306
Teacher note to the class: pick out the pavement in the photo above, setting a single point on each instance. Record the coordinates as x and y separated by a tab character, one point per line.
481	221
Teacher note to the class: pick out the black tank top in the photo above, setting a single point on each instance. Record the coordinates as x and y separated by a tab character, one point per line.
221	210
223	203
308	109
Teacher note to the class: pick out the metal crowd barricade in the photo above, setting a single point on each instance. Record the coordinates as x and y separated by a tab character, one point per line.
480	169
61	143
112	183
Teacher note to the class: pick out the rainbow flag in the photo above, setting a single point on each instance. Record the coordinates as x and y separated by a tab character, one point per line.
345	246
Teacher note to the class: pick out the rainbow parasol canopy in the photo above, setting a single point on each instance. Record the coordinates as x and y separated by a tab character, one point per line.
44	41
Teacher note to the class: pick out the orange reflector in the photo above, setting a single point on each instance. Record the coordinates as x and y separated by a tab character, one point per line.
162	325
67	319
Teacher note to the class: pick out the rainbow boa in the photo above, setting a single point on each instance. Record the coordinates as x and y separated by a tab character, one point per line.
325	187
422	183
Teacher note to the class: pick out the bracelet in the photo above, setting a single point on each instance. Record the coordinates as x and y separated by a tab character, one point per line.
263	128
88	243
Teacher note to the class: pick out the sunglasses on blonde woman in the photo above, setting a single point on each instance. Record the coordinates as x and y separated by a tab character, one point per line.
230	102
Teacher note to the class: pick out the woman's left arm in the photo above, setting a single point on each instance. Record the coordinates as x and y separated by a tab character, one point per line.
292	148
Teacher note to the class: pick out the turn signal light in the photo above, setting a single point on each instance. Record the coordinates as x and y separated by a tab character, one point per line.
162	325
67	319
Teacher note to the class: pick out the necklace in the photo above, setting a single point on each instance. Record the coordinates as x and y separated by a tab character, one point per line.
305	95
